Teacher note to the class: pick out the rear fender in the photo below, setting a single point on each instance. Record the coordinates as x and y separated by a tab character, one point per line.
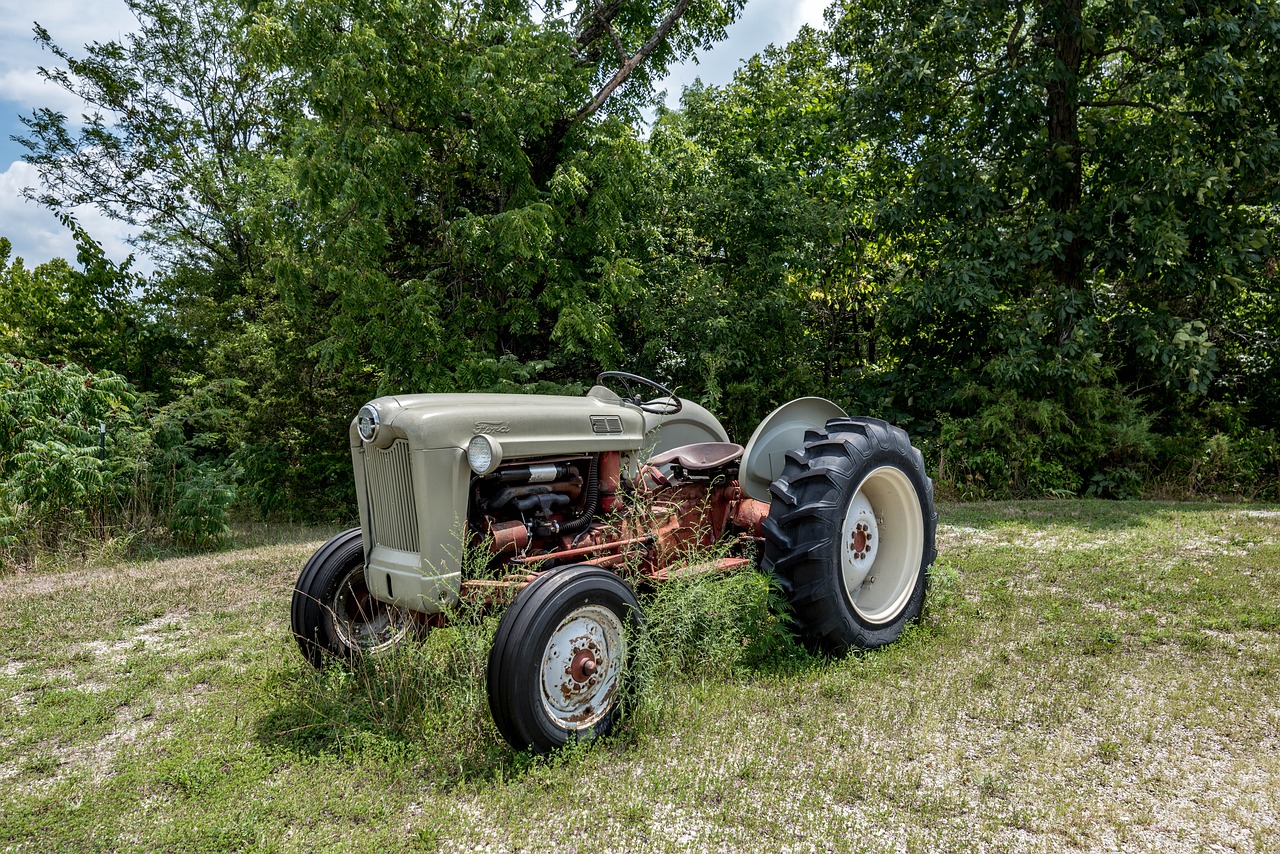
781	431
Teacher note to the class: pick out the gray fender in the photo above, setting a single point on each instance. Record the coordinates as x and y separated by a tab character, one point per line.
781	431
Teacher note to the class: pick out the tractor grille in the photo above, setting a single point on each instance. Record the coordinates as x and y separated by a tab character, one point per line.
392	513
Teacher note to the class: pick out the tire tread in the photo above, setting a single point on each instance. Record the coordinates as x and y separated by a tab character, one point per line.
814	489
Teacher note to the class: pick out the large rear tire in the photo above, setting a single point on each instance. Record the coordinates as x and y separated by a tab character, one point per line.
557	666
334	614
850	534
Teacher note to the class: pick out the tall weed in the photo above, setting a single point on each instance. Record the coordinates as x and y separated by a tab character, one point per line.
427	693
429	699
83	457
706	626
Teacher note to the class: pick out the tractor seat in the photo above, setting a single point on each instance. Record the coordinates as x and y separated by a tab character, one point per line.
700	456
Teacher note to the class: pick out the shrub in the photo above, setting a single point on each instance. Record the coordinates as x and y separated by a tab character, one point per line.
81	453
1097	441
54	479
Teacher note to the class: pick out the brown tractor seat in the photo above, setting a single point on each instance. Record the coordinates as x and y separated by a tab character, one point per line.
700	456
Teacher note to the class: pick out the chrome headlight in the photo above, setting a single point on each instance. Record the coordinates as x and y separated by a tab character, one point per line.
484	454
367	422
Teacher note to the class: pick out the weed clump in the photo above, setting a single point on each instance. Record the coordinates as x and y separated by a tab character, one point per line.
427	701
706	627
422	701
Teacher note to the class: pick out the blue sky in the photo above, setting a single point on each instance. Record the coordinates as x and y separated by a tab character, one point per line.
37	236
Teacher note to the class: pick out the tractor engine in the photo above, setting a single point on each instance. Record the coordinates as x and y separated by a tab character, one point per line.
541	502
564	509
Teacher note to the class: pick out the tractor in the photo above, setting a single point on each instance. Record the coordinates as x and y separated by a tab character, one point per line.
576	502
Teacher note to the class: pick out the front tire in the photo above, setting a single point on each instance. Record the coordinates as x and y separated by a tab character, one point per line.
334	614
557	666
851	534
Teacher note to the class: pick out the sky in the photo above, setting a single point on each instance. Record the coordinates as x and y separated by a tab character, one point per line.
36	234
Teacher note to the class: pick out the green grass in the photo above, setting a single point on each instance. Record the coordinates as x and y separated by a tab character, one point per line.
1088	676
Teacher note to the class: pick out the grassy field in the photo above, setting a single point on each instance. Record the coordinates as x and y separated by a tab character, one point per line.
1088	676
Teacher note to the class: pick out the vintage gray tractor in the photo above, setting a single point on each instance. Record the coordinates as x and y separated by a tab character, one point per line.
578	500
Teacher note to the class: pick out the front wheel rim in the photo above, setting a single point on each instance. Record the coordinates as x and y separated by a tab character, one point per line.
582	666
361	622
881	545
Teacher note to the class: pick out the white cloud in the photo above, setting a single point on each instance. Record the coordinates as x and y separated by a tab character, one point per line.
36	234
763	22
71	23
27	89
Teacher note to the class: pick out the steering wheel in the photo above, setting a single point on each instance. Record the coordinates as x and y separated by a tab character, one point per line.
667	404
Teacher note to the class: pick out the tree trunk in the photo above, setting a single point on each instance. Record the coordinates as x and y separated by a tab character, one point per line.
1065	24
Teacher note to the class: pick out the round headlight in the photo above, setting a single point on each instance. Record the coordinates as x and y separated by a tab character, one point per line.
367	422
484	454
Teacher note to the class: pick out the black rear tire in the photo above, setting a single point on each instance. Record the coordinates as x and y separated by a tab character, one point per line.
557	666
333	613
851	534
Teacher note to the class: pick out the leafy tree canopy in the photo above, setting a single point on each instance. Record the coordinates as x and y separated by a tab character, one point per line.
1040	234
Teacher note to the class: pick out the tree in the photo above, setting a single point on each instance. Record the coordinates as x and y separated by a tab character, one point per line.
350	197
469	180
760	267
181	134
185	139
93	314
1079	192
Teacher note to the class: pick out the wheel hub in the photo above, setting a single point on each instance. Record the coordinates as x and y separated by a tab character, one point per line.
860	543
862	537
581	665
360	622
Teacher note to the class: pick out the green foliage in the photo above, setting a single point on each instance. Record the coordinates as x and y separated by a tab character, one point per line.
727	624
81	454
187	461
944	592
180	137
1010	447
1077	194
493	218
372	197
54	480
1040	237
756	264
95	314
1243	462
968	220
428	690
189	144
706	627
1245	466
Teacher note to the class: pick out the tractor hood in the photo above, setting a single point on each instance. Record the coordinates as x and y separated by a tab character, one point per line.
525	425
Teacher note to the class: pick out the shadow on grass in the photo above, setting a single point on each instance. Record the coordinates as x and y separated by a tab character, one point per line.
254	534
244	535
